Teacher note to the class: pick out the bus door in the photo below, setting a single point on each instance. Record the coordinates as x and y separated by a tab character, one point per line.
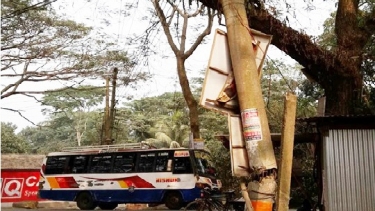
182	162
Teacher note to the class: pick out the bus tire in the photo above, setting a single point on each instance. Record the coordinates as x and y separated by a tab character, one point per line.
173	200
85	201
107	205
198	205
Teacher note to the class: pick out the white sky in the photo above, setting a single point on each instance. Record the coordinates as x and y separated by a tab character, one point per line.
92	14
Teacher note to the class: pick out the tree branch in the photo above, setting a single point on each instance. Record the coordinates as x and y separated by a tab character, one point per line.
19	113
318	63
25	9
200	38
199	10
171	17
183	34
164	24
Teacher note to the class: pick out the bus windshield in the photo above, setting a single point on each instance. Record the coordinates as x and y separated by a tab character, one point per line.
204	165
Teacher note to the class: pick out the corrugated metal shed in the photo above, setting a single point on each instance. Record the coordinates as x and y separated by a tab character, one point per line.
349	168
348	161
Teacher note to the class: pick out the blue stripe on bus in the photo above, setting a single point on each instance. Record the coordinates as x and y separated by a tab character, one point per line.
119	196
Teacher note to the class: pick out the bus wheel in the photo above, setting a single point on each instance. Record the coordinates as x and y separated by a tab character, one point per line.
107	206
85	201
173	200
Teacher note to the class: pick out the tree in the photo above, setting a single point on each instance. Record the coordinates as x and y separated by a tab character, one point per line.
39	46
74	104
338	72
157	118
36	45
59	131
279	78
10	142
181	51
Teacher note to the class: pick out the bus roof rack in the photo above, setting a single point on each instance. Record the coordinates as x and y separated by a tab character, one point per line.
106	147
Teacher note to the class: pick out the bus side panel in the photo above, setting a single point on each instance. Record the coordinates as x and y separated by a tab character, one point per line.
128	196
120	196
58	195
190	195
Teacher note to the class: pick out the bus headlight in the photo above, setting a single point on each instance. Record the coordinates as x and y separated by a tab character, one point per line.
200	185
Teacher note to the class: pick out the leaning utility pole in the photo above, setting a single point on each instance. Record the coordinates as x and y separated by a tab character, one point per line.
106	112
255	127
109	112
113	102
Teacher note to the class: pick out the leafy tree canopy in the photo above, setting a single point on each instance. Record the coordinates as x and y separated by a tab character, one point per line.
10	142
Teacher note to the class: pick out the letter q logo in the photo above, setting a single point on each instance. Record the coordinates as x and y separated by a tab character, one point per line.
12	188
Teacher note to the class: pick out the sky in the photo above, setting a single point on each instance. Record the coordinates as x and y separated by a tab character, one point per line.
115	19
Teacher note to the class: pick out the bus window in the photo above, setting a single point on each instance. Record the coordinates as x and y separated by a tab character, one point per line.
162	162
56	165
79	164
124	163
100	164
146	162
182	165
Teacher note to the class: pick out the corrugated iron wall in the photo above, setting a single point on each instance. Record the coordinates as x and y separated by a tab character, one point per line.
349	170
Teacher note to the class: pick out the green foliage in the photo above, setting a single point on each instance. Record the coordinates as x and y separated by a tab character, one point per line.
305	183
10	142
44	140
38	45
71	110
61	132
69	100
220	156
148	117
278	79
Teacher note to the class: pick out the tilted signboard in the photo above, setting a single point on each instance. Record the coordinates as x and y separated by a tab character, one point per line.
219	94
219	90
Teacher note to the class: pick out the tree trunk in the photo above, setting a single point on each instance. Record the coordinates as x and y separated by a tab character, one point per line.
344	89
78	134
343	94
189	98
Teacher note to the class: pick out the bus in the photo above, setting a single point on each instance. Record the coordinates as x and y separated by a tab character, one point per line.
107	175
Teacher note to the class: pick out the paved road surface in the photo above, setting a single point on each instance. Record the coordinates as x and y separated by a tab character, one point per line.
56	209
44	209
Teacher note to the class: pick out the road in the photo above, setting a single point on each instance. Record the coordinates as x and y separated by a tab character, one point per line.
20	209
57	207
122	208
45	209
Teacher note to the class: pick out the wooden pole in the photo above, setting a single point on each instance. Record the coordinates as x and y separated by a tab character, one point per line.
287	145
113	102
106	113
253	114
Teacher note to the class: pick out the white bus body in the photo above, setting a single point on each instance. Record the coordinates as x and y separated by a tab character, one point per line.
106	176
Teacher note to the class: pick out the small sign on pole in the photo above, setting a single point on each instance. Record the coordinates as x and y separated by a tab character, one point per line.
198	143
